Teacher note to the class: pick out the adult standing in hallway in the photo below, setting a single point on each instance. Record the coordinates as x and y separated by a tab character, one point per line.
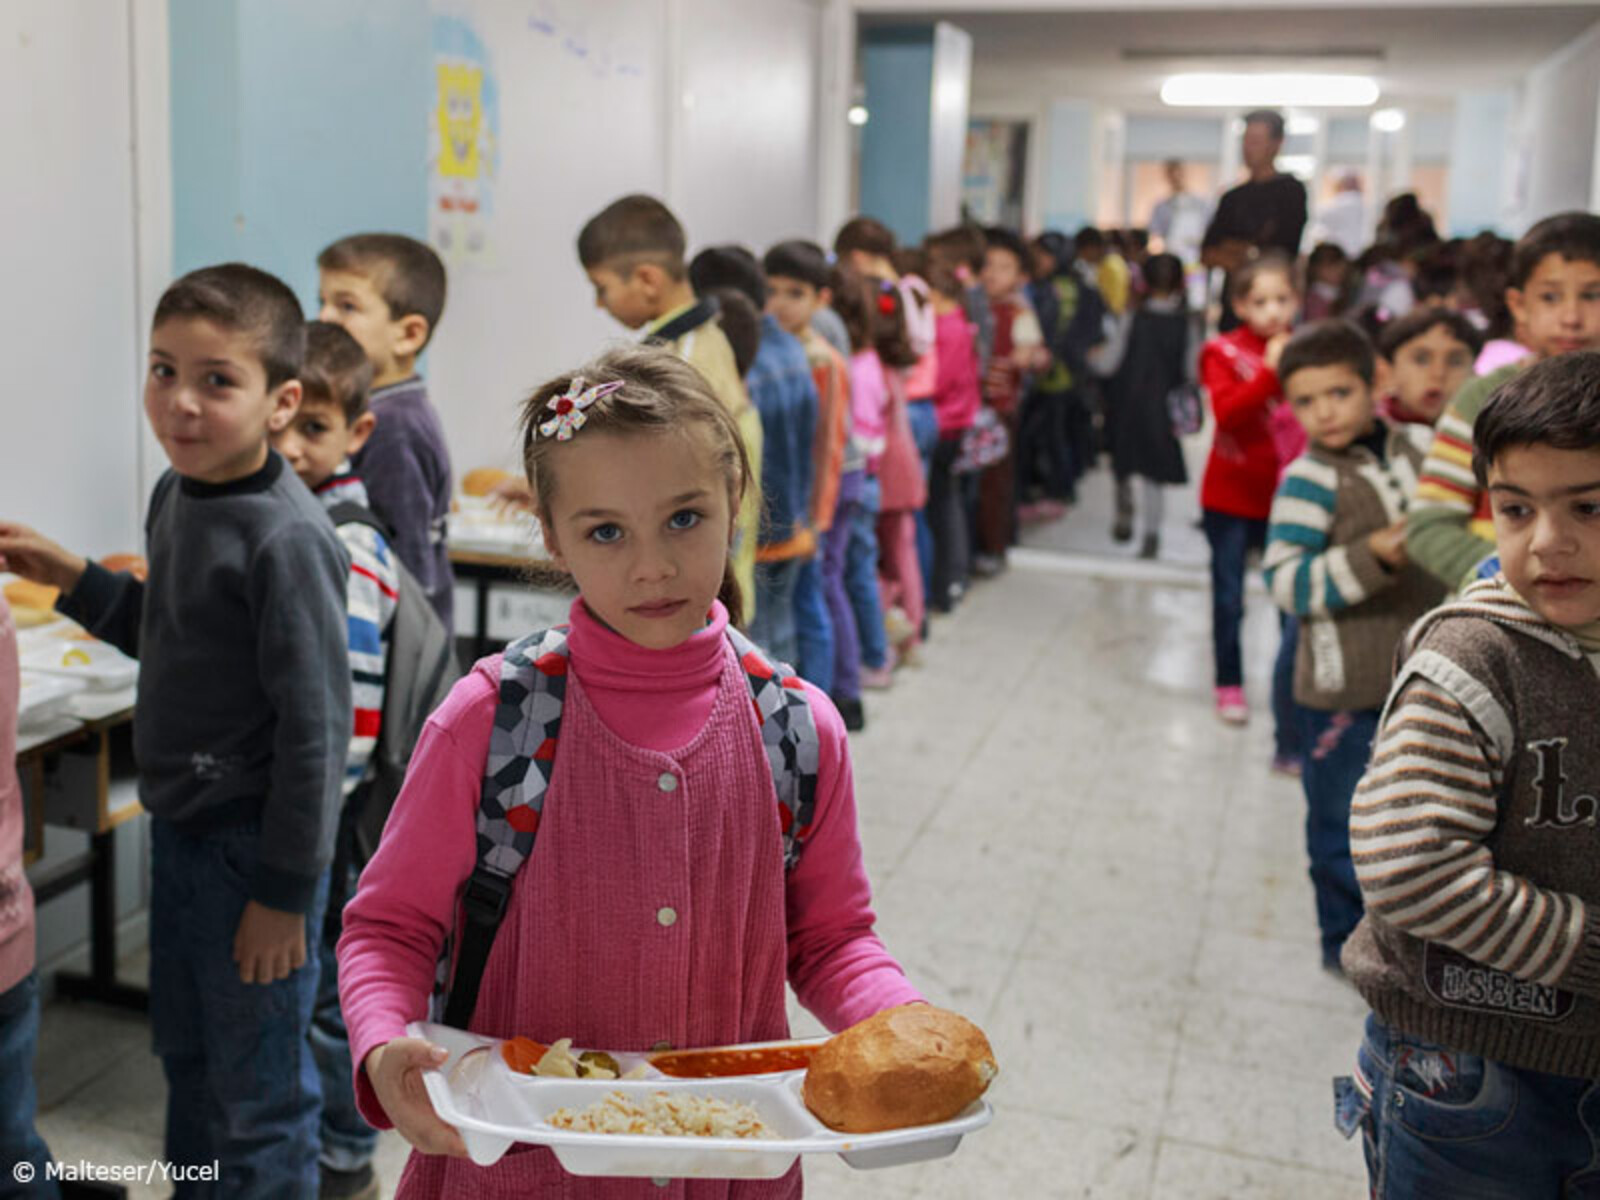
1180	219
1265	212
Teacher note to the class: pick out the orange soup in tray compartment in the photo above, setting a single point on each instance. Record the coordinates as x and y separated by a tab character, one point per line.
743	1125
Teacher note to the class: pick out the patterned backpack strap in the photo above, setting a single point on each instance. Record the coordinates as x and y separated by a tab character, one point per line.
789	733
522	751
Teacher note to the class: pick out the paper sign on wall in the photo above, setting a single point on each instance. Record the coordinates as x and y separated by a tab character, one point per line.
463	144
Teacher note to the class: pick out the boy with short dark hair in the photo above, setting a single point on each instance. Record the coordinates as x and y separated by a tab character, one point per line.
867	245
388	292
797	277
633	252
1335	560
1424	359
1473	836
243	720
330	427
780	386
1554	295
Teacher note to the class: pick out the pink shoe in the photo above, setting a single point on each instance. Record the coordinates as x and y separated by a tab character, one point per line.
877	678
1231	706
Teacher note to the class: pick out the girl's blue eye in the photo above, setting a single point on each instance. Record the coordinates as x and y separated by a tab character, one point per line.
684	518
1588	508
218	380
161	371
606	535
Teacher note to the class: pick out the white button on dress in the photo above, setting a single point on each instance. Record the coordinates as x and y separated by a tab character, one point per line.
667	916
668	782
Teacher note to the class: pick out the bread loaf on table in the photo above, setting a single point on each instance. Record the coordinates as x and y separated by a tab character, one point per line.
912	1065
24	593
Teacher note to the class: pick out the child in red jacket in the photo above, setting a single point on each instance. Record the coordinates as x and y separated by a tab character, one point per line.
1239	372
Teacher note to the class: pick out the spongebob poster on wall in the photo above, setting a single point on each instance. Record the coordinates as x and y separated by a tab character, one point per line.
463	144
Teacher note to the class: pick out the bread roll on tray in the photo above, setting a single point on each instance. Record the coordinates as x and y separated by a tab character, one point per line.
912	1065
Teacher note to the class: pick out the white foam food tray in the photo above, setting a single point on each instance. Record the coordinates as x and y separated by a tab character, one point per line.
493	1106
100	667
43	698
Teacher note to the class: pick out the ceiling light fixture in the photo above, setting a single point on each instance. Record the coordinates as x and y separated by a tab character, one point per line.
1219	90
857	115
1389	120
1302	123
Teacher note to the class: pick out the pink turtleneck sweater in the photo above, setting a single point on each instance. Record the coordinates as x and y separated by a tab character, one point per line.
585	951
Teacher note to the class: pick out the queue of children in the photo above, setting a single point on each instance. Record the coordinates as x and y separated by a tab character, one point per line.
1444	845
1446	808
745	495
807	458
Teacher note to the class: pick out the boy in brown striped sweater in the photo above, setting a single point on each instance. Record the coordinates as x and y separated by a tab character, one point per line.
1475	839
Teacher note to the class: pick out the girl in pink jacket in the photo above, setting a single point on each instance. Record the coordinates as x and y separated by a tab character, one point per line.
655	908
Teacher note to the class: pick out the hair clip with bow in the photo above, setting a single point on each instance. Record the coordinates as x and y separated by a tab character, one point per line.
570	407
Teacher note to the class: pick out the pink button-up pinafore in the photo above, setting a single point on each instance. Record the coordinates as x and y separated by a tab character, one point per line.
651	911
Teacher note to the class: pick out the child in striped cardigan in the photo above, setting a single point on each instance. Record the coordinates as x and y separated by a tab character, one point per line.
1554	294
1336	561
1474	838
332	424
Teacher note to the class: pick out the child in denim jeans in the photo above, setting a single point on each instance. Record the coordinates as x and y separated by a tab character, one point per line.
1473	834
243	720
1336	561
855	300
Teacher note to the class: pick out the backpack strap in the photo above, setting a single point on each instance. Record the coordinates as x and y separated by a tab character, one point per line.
522	750
348	512
789	734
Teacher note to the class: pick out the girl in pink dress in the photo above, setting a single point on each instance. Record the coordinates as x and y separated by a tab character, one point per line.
903	487
655	909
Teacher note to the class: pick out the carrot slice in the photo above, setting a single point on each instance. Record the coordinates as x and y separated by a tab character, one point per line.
522	1054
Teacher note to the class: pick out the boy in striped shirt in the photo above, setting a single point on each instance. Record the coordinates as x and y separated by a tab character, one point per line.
1554	294
1476	843
1336	560
332	424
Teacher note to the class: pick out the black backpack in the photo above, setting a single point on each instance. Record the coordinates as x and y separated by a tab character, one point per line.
421	670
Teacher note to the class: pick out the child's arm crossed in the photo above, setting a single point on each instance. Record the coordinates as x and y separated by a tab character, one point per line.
1235	401
1439	536
1418	823
1307	576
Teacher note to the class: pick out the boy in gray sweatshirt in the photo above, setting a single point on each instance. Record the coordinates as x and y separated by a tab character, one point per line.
1475	840
242	722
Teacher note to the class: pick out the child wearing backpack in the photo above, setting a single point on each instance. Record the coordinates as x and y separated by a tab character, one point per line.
331	425
665	896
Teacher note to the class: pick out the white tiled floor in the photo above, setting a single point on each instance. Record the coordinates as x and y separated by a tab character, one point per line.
1066	846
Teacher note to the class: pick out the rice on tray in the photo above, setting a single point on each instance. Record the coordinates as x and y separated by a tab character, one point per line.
668	1114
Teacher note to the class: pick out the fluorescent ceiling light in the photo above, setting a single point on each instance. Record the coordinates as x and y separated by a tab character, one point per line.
857	114
1389	120
1217	90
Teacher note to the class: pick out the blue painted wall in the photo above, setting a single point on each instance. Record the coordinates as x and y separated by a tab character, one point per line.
897	68
295	122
